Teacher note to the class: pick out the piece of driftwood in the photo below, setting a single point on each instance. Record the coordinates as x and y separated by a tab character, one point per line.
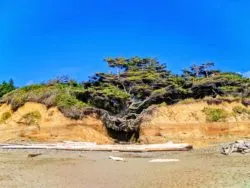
163	160
116	158
240	146
85	146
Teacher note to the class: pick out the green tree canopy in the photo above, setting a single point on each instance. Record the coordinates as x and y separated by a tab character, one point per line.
136	82
6	87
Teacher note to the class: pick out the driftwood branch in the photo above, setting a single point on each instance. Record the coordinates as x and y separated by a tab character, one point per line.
238	146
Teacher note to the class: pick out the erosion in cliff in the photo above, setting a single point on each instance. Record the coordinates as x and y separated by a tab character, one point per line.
36	122
199	122
194	121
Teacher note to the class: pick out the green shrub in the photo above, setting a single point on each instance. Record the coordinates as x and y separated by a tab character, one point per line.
230	89
64	100
229	98
5	116
64	96
31	118
163	104
240	110
215	114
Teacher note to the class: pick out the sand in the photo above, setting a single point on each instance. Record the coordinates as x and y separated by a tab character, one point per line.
198	168
52	127
181	123
187	123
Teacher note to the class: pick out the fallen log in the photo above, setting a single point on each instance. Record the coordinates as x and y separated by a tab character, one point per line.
83	146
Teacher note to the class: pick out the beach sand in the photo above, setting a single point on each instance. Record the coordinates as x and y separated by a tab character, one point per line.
197	168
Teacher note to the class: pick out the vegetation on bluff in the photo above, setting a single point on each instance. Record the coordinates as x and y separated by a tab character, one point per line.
6	87
122	98
58	92
215	114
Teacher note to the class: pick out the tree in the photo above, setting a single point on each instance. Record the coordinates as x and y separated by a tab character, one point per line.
124	95
65	79
206	67
6	87
196	69
187	73
203	70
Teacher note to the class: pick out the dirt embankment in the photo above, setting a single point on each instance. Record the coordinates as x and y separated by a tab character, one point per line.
186	122
189	123
35	122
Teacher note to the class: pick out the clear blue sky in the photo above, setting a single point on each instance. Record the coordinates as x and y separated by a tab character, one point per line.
40	39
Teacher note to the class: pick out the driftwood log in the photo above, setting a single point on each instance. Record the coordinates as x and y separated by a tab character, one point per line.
238	146
85	146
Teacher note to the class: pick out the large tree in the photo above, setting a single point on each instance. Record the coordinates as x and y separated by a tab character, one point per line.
135	84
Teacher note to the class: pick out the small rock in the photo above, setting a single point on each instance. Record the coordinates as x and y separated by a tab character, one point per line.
32	155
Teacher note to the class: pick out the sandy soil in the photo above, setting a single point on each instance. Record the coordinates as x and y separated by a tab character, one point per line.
199	168
187	123
182	122
52	127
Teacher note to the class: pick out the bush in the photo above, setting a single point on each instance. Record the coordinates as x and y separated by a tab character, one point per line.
5	116
215	114
70	106
229	98
31	118
163	104
240	110
63	96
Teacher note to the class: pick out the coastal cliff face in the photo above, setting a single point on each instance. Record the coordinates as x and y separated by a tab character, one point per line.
195	122
36	122
129	105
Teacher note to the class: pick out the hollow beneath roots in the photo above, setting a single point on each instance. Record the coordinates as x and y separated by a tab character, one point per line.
122	136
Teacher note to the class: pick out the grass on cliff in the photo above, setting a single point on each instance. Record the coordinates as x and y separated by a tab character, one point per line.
64	96
239	110
31	118
215	114
4	117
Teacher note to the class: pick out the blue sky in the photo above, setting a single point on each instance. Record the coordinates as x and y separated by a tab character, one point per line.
41	39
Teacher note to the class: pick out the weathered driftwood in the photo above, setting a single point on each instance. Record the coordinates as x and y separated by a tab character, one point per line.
116	158
163	160
238	146
83	146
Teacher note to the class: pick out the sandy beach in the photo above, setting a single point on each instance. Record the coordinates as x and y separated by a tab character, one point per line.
197	168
